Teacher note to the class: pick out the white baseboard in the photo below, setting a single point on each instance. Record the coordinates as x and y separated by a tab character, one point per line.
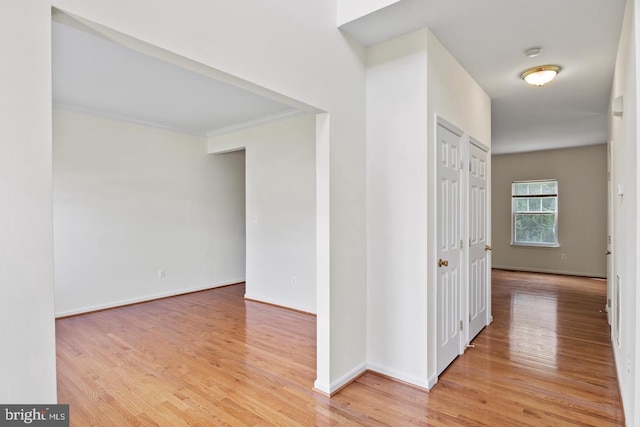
146	298
549	271
432	381
346	378
322	387
353	374
280	304
418	382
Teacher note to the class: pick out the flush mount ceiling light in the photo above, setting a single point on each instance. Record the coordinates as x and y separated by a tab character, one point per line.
540	75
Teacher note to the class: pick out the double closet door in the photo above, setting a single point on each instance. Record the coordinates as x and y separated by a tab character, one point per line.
463	284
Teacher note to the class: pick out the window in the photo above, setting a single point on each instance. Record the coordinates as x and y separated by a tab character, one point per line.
534	213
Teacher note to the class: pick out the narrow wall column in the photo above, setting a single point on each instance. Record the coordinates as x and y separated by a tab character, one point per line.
27	335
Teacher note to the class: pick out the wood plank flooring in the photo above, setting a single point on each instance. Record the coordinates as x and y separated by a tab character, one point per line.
211	358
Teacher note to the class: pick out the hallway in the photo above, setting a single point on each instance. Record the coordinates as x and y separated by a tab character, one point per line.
212	358
547	358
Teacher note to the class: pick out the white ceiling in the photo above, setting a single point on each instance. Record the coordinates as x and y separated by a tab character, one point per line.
488	37
94	74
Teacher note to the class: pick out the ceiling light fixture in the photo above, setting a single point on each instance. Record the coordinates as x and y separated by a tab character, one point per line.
540	75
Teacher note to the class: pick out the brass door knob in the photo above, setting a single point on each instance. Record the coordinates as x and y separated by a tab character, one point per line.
443	263
487	248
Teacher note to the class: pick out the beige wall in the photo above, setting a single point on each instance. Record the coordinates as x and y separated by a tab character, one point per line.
582	210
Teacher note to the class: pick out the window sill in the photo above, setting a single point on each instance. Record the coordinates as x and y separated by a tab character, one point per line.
536	245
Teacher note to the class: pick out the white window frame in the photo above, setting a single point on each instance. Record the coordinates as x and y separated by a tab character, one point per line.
515	197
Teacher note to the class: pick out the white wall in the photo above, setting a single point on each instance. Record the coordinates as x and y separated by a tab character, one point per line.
27	358
410	80
130	200
454	96
624	139
281	210
397	207
249	39
252	40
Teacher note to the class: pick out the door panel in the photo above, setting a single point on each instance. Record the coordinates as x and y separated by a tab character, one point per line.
448	286
478	241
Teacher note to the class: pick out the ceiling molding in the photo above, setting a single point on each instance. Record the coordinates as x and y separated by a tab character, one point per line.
261	121
123	118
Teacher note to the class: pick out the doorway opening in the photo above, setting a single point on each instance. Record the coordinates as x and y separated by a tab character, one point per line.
142	210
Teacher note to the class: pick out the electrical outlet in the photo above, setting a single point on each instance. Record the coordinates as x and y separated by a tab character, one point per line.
294	280
162	274
564	256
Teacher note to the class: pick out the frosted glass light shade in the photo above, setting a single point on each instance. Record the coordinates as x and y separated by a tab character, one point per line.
538	76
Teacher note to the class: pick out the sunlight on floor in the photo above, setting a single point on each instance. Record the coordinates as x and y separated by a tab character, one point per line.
533	338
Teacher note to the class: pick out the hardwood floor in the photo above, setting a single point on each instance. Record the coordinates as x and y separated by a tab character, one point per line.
212	358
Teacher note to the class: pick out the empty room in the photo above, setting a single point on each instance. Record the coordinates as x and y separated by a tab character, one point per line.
315	213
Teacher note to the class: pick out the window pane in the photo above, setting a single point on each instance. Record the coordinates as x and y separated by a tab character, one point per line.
522	205
535	188
535	228
548	236
549	187
549	204
520	188
535	205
